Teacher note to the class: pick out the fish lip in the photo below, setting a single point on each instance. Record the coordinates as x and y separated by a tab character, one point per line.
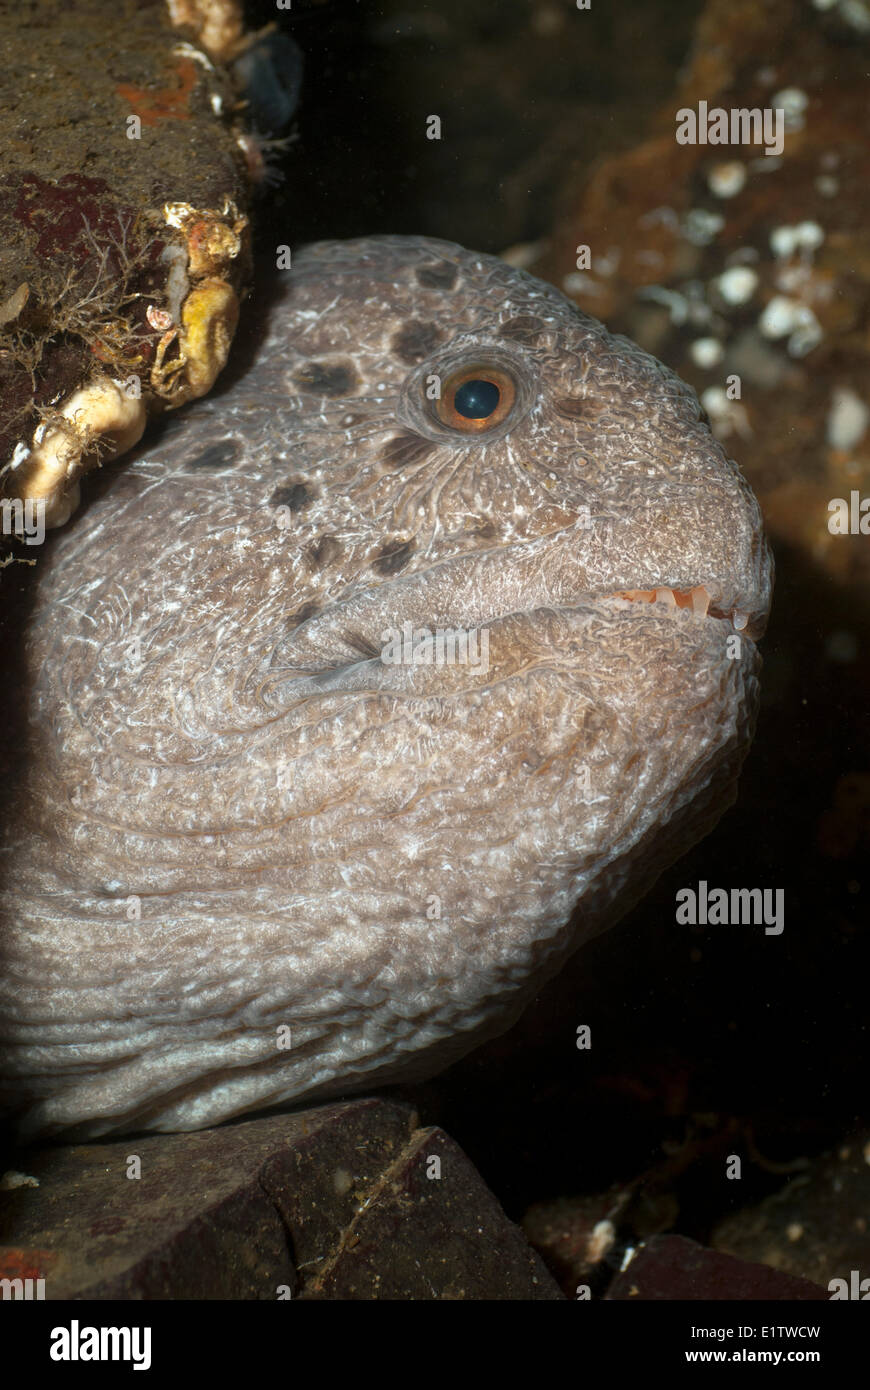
745	614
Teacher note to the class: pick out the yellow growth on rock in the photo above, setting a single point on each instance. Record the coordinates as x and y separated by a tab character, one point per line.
210	312
65	444
217	24
208	321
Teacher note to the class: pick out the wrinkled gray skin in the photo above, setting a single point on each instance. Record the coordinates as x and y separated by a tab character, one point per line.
235	816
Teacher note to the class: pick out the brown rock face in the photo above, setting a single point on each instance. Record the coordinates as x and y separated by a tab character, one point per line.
348	1201
119	165
732	264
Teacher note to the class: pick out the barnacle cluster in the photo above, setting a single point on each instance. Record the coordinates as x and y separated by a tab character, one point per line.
196	342
106	415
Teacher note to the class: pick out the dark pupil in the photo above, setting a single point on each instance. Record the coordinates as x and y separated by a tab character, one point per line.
476	399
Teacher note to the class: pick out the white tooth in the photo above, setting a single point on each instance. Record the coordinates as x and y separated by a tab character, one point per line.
740	620
700	601
666	596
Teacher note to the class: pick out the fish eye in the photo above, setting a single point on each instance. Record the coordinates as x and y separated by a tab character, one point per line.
475	398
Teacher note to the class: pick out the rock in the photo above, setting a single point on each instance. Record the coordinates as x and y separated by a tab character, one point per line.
346	1201
723	260
579	1237
816	1226
669	1267
727	262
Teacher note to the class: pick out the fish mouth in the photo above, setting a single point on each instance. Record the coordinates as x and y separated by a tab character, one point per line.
349	635
703	602
344	671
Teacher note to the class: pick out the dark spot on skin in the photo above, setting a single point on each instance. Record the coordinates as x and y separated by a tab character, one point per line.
576	408
441	276
404	449
525	329
415	340
294	495
219	455
308	610
393	556
487	531
324	551
327	378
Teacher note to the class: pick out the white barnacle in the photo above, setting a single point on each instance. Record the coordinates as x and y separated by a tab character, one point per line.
737	284
793	102
706	352
701	226
780	316
728	179
848	417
